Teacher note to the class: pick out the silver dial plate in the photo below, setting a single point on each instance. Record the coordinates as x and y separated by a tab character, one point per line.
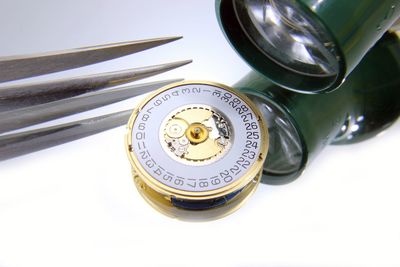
157	162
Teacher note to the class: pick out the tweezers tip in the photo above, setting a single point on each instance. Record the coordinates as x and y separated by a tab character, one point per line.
170	39
188	61
174	38
182	62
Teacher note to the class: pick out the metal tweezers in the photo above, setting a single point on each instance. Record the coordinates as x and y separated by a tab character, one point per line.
37	102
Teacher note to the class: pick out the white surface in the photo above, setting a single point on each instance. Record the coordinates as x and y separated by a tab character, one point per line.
76	205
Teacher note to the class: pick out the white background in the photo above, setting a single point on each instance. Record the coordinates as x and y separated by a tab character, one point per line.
76	205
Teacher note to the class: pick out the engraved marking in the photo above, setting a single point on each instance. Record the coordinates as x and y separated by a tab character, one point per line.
161	168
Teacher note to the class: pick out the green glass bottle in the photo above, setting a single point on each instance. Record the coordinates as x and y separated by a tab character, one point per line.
301	125
305	45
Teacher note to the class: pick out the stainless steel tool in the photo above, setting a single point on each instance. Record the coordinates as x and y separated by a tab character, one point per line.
36	102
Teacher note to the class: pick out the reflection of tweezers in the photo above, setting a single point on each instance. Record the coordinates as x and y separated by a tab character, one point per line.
30	104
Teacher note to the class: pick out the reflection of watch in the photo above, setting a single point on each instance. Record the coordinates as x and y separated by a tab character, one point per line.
196	149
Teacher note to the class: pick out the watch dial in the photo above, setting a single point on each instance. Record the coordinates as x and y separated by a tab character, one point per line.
195	137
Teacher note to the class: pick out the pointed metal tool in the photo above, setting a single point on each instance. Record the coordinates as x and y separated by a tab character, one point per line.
25	105
14	145
18	67
25	117
22	96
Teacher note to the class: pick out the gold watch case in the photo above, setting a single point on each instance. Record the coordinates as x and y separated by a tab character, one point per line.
189	130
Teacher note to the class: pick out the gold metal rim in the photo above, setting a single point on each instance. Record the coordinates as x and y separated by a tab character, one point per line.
188	195
165	207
